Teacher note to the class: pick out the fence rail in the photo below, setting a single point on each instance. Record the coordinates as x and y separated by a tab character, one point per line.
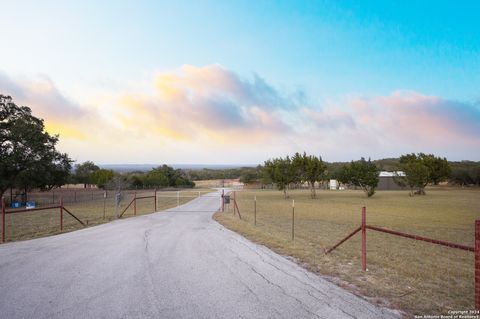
312	231
26	223
61	208
363	228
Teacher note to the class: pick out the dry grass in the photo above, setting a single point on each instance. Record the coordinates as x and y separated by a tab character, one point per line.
28	225
416	277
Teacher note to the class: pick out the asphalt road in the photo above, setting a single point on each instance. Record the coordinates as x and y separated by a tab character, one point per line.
176	264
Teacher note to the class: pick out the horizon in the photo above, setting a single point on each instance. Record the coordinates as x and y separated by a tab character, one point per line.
242	82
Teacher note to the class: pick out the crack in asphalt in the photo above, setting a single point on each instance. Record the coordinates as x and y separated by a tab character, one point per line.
150	281
301	281
305	307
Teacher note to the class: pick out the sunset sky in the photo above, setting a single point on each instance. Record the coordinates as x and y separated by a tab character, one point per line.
238	82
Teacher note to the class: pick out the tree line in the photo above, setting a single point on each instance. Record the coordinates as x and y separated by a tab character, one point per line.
414	171
159	177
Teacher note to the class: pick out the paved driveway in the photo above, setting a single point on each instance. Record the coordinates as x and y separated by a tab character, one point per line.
176	264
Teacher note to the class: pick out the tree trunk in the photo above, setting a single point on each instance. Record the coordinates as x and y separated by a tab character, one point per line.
313	194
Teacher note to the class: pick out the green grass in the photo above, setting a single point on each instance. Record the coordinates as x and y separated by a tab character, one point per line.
416	277
28	225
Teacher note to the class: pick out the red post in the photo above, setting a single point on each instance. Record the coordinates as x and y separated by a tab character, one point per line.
135	204
3	220
364	239
155	199
61	213
234	202
477	264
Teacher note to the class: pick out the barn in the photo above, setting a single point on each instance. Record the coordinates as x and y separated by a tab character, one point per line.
387	180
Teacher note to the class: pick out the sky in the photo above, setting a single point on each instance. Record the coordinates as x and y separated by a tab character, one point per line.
239	82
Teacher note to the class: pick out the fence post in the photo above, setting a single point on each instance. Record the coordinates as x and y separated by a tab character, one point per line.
75	196
155	199
234	202
178	198
477	264
135	204
293	219
364	239
223	200
104	203
3	219
61	213
255	210
53	197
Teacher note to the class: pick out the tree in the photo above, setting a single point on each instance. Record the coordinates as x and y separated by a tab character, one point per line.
361	173
84	171
422	169
101	177
439	168
45	175
27	154
166	176
282	172
309	169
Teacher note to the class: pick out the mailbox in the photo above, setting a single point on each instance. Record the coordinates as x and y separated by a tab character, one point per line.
226	199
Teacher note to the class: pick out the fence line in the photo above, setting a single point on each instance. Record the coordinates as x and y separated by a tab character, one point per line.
61	207
363	230
28	224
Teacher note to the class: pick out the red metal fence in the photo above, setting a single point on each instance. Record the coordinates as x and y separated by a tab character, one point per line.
364	226
60	207
134	202
233	199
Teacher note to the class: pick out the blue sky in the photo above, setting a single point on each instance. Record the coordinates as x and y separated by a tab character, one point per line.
324	56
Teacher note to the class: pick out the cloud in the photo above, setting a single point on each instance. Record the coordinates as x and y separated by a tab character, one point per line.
404	121
46	101
206	103
414	118
194	114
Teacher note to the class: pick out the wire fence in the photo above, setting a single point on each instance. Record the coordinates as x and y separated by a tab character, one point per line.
401	269
72	210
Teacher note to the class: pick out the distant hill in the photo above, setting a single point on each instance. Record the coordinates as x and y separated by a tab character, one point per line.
123	168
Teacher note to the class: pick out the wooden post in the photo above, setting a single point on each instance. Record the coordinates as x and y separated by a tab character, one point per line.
178	198
364	239
104	203
255	210
223	200
135	204
155	199
61	213
477	264
3	220
293	219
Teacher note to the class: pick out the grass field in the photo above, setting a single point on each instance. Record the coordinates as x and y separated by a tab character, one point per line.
413	276
28	225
